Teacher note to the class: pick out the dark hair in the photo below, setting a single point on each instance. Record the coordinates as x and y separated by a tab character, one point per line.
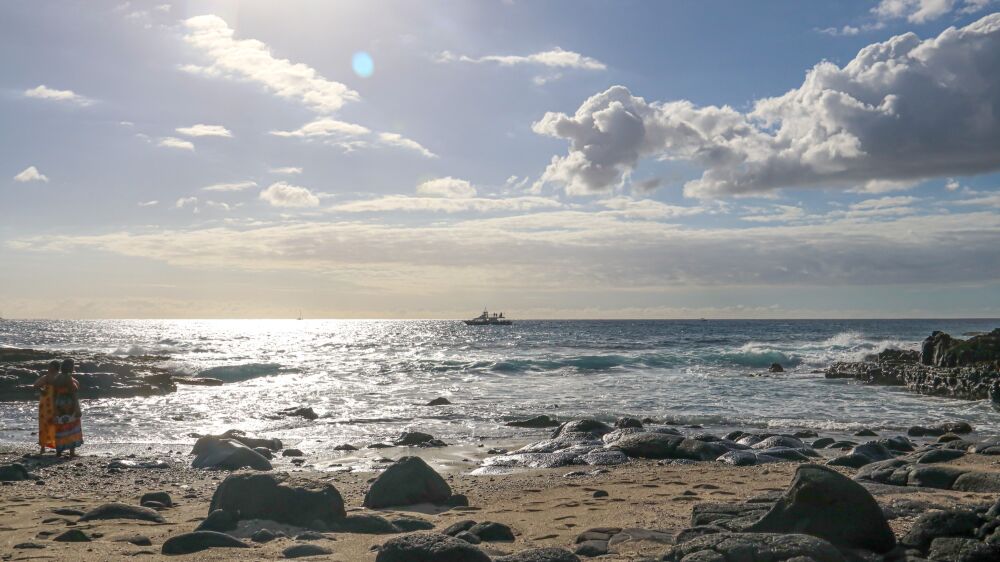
54	365
67	366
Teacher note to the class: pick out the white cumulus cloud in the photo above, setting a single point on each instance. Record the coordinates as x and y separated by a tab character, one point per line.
446	187
325	127
43	92
282	194
901	111
252	60
30	173
288	170
235	186
399	141
201	130
923	11
174	142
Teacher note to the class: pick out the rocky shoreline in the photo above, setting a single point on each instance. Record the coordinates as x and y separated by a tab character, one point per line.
930	495
945	366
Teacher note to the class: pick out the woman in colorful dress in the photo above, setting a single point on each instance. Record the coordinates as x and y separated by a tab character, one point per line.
46	409
69	433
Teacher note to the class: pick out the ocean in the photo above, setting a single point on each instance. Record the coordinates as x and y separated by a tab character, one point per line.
370	380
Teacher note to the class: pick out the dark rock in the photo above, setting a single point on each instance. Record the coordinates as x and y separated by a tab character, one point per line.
468	537
490	531
537	422
823	442
865	433
72	535
380	446
929	526
963	550
933	476
345	447
458	527
983	482
439	401
366	524
941	350
805	433
776	368
622	423
28	546
153	505
648	445
264	452
457	500
692	533
67	511
137	540
14	473
600	494
304	550
252	442
540	555
160	497
416	439
302	412
429	547
754	547
591	548
218	520
592	427
408	481
898	443
408	524
779	441
122	511
939	455
292	453
863	454
948	438
226	454
263	536
310	536
188	543
826	504
279	497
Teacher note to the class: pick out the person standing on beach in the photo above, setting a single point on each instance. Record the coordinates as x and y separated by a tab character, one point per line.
69	433
46	408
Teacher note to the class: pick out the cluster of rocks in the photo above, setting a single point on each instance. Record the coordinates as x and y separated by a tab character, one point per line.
945	366
100	376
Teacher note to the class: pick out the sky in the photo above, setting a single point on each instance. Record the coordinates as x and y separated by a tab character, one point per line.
561	159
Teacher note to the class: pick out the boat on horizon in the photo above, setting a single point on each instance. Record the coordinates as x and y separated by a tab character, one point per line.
485	319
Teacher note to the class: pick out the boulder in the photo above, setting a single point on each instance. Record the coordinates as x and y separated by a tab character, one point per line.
935	524
824	503
458	527
429	547
122	511
304	550
226	454
300	412
408	481
963	550
622	423
439	401
492	532
188	543
279	497
292	453
365	524
754	547
592	427
776	368
263	536
218	520
648	445
160	497
537	421
417	439
13	473
72	535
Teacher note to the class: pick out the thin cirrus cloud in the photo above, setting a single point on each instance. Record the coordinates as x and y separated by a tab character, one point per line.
554	58
885	120
235	186
282	194
174	142
287	170
202	130
251	60
43	92
30	173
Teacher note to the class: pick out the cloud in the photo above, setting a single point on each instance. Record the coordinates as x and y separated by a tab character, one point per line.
845	31
885	202
561	249
148	203
399	141
252	61
201	130
778	213
30	173
984	200
553	58
289	170
325	127
174	142
43	92
923	11
952	184
449	205
901	111
236	186
186	202
629	208
446	187
281	194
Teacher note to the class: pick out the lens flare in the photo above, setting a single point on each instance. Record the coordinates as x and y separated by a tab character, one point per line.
363	64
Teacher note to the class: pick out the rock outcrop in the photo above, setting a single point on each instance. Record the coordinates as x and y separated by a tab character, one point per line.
281	498
408	481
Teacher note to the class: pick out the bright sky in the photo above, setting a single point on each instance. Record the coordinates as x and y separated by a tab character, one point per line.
550	159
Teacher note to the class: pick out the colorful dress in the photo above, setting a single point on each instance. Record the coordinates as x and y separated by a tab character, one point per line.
46	415
69	433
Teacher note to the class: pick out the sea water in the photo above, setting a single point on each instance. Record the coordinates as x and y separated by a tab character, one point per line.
370	380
